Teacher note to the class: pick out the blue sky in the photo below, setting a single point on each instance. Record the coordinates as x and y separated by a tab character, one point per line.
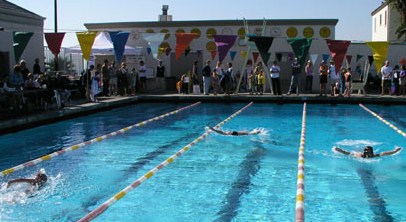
354	15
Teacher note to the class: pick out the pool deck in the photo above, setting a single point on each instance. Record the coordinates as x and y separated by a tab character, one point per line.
80	107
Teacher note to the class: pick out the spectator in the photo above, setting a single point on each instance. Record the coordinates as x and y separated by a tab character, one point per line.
195	78
106	78
395	80
36	68
142	72
160	74
323	77
185	84
122	81
309	77
261	82
113	79
386	72
275	78
24	69
215	78
295	81
16	79
206	72
402	82
334	77
348	80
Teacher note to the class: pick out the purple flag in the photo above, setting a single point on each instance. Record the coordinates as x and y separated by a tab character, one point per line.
119	40
224	44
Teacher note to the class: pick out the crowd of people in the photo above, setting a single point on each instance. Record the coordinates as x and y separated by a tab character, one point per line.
338	83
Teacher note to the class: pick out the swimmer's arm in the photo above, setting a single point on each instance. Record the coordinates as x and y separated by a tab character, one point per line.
218	131
342	151
21	180
387	153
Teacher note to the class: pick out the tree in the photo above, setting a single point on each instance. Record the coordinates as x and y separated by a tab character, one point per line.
400	6
64	64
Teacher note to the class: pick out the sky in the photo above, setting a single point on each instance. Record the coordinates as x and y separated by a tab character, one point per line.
355	22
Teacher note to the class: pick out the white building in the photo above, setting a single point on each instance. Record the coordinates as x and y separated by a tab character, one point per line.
385	21
15	18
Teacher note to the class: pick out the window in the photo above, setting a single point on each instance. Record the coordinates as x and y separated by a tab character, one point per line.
386	16
380	20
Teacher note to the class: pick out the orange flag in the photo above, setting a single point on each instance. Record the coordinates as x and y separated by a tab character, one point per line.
86	40
182	42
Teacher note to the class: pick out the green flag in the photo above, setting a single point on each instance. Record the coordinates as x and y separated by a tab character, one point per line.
20	40
300	47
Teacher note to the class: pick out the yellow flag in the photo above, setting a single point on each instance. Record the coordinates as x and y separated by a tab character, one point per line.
244	54
380	51
86	40
160	52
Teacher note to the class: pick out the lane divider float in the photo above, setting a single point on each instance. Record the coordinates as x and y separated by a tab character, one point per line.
384	121
98	139
102	208
299	216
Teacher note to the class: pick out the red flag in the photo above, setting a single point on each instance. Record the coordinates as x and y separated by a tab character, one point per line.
54	41
213	54
182	42
338	49
255	55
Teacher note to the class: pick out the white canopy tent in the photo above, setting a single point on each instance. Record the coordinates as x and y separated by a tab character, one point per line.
104	46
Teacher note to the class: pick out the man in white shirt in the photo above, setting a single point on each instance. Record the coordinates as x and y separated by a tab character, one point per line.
275	72
334	77
386	72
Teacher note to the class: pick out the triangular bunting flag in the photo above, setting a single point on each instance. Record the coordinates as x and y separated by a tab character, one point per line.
232	55
348	57
119	40
325	57
263	45
338	49
380	51
54	41
358	57
20	40
314	57
160	52
278	56
243	54
86	40
154	41
182	42
149	50
371	60
224	44
213	54
301	48
255	56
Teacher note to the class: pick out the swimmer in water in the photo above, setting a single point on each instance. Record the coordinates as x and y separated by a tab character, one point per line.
368	152
235	133
39	180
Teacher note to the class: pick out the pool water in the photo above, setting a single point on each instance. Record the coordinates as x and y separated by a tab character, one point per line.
221	178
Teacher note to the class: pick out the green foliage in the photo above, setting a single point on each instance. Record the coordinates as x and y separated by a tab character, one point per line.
63	65
400	6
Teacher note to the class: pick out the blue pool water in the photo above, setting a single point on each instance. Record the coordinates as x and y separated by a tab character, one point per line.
221	178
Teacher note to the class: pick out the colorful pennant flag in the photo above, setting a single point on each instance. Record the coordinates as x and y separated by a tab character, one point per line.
263	44
255	56
301	48
314	57
325	57
278	56
149	50
20	41
182	42
224	44
243	54
86	40
359	57
338	49
154	41
213	54
380	51
54	41
232	55
119	40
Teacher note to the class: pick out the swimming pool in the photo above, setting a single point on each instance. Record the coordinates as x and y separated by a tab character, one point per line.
221	178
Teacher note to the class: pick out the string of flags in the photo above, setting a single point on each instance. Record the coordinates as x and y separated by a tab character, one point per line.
224	43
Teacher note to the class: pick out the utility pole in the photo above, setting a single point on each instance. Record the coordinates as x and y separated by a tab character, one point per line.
56	30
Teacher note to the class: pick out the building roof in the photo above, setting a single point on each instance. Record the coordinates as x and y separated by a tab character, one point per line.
7	7
384	4
258	22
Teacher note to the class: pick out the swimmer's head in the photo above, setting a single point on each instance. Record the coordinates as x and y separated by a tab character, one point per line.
368	152
41	178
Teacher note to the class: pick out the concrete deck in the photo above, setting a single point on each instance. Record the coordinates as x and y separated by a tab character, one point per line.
80	108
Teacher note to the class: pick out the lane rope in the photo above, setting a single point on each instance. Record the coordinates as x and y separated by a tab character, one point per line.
384	121
98	139
299	216
102	208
